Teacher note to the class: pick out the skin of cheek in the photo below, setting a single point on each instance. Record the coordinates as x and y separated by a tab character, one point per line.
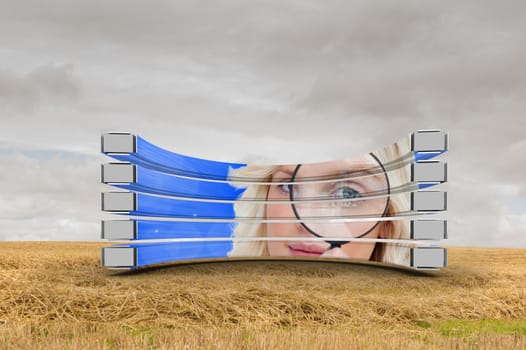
279	248
362	251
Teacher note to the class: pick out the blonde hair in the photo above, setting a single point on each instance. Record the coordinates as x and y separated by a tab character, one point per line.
262	173
396	229
394	253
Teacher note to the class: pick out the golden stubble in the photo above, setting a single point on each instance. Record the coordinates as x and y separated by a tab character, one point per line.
56	294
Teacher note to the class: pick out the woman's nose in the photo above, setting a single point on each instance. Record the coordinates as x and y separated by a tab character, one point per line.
300	229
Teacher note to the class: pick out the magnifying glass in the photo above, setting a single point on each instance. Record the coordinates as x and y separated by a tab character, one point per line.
350	200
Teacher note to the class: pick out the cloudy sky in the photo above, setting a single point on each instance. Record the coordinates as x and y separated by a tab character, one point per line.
275	81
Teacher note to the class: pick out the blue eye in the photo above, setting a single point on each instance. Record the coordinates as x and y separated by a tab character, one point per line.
347	193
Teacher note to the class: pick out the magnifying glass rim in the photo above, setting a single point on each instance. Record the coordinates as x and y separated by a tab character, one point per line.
335	244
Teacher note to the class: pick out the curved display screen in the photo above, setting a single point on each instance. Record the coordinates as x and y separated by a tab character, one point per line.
378	207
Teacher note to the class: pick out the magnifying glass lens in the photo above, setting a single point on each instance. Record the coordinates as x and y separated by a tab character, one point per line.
361	197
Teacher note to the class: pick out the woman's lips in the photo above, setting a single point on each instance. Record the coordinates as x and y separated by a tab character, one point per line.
303	249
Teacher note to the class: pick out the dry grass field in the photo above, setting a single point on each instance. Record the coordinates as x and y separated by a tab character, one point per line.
56	296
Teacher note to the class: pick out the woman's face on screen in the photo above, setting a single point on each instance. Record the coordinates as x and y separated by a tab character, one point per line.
336	199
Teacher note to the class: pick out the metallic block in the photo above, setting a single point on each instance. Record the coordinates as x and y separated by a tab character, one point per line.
429	171
118	173
429	140
428	201
428	257
119	201
119	229
118	143
119	257
428	229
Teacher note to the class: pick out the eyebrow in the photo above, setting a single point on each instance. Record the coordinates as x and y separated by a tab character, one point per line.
372	174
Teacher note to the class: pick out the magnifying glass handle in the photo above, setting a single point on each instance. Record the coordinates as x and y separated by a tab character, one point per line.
336	244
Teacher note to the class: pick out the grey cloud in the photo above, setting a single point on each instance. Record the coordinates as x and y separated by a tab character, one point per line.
53	84
49	199
267	36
